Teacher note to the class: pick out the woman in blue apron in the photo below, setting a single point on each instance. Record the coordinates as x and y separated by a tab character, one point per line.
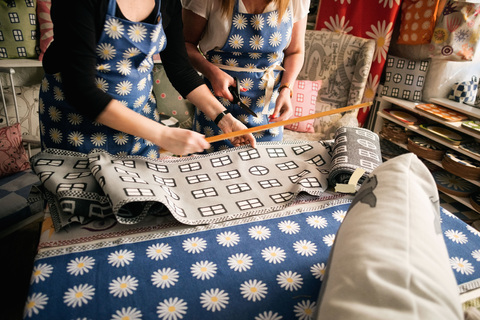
260	43
97	89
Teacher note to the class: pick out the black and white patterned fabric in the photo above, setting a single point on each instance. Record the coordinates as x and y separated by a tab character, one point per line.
404	79
234	183
354	148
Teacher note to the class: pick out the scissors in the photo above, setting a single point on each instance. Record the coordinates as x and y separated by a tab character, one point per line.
235	91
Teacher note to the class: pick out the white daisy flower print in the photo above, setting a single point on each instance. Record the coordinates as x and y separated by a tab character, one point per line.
106	51
231	62
140	101
272	19
318	270
216	59
194	245
56	135
136	147
259	135
275	131
203	270
159	251
286	16
253	290
228	239
290	281
75	138
114	28
268	315
272	58
250	66
338	24
257	22
127	313
120	138
317	222
34	304
41	272
144	66
79	266
131	52
142	84
44	85
329	239
121	258
247	84
339	215
305	309
389	3
473	230
101	84
476	254
239	21
461	265
456	236
98	139
236	41
275	39
58	94
260	102
74	118
172	309
78	295
259	232
255	55
137	32
124	67
165	278
155	34
209	132
256	42
274	255
243	118
382	34
214	299
289	227
123	286
152	154
305	247
104	68
123	88
240	262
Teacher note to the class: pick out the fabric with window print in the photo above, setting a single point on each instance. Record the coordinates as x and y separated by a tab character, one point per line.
253	53
265	267
124	66
404	78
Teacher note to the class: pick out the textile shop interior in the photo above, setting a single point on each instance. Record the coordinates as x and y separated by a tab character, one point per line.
289	230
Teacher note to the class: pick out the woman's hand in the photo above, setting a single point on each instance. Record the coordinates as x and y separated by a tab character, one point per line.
181	141
230	124
220	81
283	107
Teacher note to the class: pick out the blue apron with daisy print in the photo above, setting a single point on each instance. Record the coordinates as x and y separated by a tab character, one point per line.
124	65
253	53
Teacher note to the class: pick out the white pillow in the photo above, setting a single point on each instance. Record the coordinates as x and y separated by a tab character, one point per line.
389	259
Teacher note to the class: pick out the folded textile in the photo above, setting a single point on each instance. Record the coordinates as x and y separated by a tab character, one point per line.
354	148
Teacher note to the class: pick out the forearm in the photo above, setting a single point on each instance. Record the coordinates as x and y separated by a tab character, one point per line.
199	62
204	100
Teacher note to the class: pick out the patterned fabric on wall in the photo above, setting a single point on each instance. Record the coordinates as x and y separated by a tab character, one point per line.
371	19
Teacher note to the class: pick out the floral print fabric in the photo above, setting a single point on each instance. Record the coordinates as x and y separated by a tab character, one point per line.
124	65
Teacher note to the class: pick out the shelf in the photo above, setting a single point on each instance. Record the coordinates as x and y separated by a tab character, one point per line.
429	135
457	106
20	63
457	126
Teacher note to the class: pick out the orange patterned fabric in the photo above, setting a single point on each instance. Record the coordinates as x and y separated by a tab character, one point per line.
418	21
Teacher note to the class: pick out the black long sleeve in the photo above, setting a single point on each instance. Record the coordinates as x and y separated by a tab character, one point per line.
78	26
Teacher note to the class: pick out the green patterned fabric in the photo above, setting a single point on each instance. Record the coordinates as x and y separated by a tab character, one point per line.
18	29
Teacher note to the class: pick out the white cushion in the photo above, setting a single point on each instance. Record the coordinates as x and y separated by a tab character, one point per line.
389	259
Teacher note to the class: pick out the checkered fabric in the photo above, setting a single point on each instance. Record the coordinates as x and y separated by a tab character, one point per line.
465	91
17	201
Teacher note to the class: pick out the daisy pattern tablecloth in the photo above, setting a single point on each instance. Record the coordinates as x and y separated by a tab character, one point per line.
268	267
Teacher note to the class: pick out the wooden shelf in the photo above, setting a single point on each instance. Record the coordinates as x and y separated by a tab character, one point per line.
457	126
